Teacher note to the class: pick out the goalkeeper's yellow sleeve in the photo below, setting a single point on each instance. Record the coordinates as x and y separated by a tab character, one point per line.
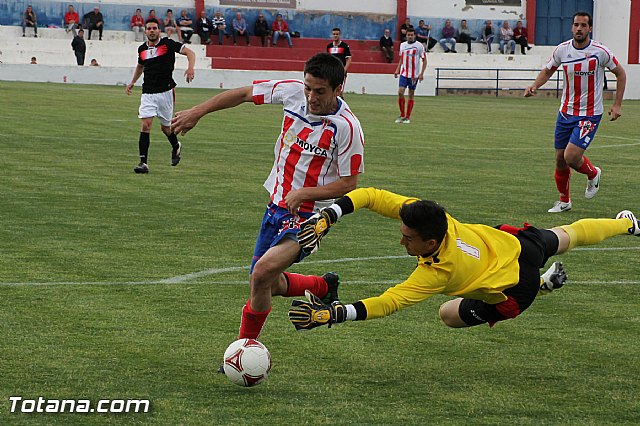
383	202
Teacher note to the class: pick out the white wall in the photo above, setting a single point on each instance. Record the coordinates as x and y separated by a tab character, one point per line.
172	4
612	29
381	7
456	9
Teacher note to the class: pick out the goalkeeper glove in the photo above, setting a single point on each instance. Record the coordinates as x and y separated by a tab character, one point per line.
312	313
313	229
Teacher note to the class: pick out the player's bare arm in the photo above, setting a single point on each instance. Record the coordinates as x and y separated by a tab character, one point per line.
424	68
188	119
191	57
136	75
621	82
295	198
397	71
544	76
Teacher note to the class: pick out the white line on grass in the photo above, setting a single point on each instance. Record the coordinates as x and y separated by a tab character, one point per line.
216	271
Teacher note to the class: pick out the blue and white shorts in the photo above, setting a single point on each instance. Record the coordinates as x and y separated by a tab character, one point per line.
575	129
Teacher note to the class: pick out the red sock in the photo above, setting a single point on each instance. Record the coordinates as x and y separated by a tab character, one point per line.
299	283
409	107
401	105
562	183
587	169
252	322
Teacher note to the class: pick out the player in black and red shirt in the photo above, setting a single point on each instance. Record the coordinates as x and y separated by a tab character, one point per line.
156	58
340	50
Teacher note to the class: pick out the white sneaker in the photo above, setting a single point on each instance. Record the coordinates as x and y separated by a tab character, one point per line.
399	119
406	121
634	229
593	185
554	278
560	206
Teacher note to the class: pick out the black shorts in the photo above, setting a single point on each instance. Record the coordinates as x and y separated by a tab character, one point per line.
537	245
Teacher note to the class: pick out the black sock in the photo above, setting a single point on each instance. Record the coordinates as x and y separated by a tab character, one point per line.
173	139
143	146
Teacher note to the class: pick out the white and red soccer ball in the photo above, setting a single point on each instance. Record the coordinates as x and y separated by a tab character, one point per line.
247	362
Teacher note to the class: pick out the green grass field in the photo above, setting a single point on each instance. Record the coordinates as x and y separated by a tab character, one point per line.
116	285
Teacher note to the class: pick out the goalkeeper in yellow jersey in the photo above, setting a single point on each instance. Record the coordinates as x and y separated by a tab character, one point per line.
495	272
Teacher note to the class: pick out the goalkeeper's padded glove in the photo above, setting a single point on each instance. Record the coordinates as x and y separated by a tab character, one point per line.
313	229
313	312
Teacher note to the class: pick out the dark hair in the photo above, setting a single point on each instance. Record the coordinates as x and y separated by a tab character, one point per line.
326	67
411	30
169	10
587	14
152	20
427	218
336	29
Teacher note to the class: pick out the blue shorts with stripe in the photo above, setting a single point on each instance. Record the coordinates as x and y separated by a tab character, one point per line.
277	223
575	129
410	83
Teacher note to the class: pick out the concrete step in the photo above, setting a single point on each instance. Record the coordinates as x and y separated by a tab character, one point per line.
294	65
296	53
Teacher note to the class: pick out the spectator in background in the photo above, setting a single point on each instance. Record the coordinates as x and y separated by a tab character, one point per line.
34	61
137	25
447	37
29	19
403	30
219	26
506	39
79	47
94	63
261	29
487	35
204	28
71	20
170	25
386	45
152	15
94	21
240	29
465	35
423	35
521	37
280	28
185	25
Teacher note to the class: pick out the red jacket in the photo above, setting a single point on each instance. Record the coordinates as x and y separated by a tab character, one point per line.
520	32
280	26
68	17
137	21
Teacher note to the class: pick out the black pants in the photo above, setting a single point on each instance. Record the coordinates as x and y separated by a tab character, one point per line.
79	57
186	36
523	42
465	38
263	36
95	27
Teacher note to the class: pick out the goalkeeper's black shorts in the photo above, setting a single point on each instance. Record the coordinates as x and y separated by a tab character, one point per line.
537	245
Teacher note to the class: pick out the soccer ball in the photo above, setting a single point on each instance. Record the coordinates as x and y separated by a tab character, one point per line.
247	362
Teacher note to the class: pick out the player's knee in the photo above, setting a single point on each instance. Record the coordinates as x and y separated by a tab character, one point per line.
449	314
263	274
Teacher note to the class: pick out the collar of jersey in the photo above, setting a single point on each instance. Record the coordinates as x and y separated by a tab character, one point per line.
580	48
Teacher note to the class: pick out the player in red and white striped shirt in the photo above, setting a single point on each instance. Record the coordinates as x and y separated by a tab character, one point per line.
412	53
318	157
583	61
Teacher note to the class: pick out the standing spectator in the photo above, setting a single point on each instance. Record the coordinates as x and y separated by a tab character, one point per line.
71	20
204	28
137	25
280	28
447	37
240	29
506	39
487	35
185	25
581	107
521	37
219	26
79	47
386	45
403	30
94	21
261	29
423	35
464	35
29	19
411	54
158	96
170	25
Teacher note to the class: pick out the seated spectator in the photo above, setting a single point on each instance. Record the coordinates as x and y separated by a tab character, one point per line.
137	25
521	37
94	21
185	25
71	20
240	29
152	15
487	35
219	26
403	30
465	35
280	28
447	37
204	28
261	29
34	61
79	47
29	19
423	35
506	39
94	63
386	45
170	25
